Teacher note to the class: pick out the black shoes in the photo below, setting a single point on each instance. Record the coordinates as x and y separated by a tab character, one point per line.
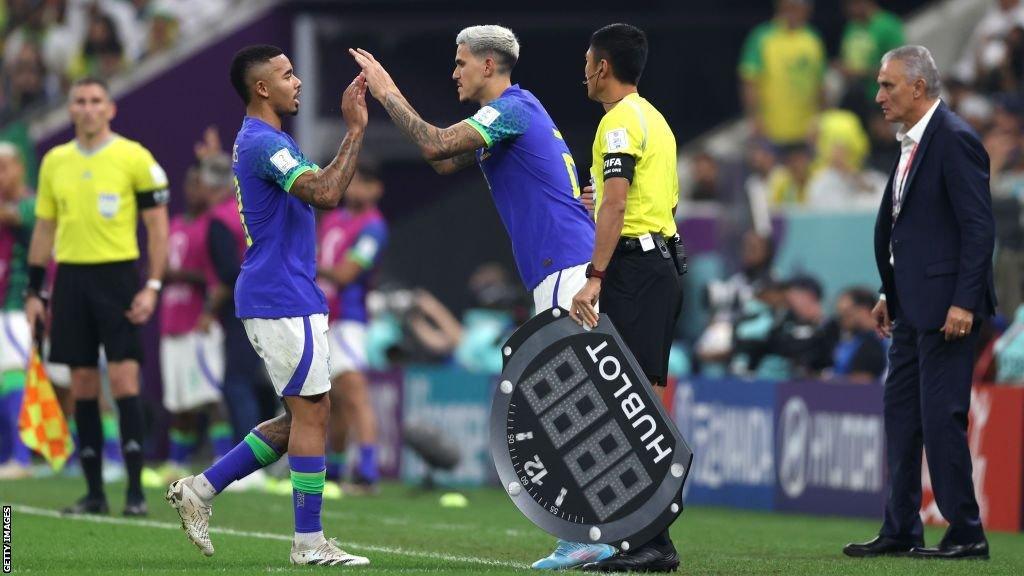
88	505
135	506
881	546
644	559
976	551
885	546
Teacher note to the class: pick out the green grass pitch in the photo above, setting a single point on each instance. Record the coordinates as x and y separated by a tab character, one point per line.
406	532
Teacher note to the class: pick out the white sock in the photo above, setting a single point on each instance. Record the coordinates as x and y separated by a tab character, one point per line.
309	539
203	488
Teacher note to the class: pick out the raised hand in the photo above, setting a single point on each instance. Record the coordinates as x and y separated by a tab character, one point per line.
378	81
353	104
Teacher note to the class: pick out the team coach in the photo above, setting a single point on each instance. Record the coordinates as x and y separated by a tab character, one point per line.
934	238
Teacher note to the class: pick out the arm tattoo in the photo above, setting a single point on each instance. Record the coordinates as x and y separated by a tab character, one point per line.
326	188
435	143
454	164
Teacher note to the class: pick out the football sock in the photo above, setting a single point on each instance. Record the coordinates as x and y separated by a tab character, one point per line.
220	437
249	455
90	436
129	411
13	391
335	465
308	476
182	445
368	463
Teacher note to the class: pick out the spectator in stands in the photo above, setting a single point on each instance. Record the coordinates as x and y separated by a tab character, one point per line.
781	67
840	180
1009	352
758	347
870	32
1004	142
705	178
26	89
806	335
860	353
787	184
986	50
102	53
760	164
727	300
163	33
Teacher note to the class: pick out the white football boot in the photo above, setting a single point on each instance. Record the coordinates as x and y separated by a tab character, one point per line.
194	513
326	553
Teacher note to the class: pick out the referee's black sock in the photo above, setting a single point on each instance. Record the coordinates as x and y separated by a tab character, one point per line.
129	411
90	444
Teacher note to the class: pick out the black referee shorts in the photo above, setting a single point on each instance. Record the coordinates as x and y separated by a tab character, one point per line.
642	293
89	306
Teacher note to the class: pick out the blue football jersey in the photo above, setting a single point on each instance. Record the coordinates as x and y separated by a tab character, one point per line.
278	276
535	186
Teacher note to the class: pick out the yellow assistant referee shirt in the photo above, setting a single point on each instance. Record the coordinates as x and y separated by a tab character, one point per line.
635	127
91	195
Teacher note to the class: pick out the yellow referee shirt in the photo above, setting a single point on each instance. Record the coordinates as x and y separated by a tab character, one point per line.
635	127
91	195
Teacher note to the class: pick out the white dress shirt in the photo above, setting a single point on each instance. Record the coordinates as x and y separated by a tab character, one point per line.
909	140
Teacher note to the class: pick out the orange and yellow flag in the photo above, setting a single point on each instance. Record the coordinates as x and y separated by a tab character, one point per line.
41	422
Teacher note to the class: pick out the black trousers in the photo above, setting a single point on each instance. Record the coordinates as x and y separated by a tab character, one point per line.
927	400
642	294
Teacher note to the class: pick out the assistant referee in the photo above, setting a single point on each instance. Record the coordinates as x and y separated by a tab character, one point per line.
634	269
91	191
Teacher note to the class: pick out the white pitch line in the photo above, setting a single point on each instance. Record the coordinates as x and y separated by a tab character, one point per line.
31	510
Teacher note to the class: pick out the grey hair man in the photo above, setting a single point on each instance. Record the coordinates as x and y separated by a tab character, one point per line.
934	239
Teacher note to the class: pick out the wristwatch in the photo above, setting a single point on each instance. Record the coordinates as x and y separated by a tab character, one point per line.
594	272
154	284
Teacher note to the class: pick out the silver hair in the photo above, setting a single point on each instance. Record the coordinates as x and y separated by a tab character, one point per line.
918	63
491	39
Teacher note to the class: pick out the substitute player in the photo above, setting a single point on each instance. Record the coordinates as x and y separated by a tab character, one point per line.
634	269
191	356
276	295
530	172
352	239
91	191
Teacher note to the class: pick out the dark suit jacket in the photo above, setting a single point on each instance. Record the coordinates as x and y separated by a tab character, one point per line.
944	237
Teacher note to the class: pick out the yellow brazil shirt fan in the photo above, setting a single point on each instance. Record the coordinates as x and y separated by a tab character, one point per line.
635	127
92	198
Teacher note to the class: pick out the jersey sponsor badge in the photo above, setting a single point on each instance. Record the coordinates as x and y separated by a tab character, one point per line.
283	161
616	140
579	438
486	115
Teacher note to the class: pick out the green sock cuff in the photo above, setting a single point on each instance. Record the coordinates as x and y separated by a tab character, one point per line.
265	453
309	482
11	381
185	438
220	430
110	431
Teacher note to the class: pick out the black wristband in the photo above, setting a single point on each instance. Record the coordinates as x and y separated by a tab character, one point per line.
36	278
